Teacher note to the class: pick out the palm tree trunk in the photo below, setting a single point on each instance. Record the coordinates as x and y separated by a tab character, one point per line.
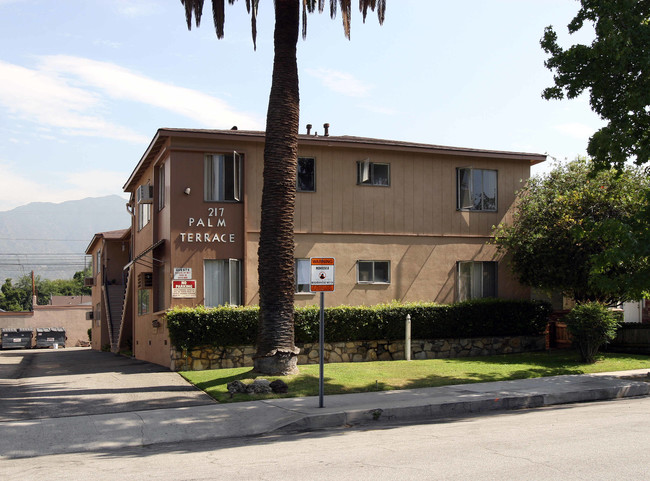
276	350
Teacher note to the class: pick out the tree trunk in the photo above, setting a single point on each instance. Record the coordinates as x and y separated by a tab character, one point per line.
276	350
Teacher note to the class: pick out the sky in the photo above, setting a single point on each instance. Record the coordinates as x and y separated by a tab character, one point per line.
84	85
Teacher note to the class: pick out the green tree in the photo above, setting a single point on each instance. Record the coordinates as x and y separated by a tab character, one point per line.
615	69
570	229
276	349
18	297
14	298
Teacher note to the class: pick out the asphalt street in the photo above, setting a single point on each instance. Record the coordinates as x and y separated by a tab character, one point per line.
598	441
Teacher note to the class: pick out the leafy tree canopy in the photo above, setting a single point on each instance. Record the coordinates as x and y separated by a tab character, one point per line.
582	233
18	297
615	69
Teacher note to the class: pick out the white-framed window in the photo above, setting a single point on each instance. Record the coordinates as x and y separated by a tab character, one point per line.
476	189
98	262
222	177
372	173
222	282
373	272
476	279
302	275
161	187
306	175
144	215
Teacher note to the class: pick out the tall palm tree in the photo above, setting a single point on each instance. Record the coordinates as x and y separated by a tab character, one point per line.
276	349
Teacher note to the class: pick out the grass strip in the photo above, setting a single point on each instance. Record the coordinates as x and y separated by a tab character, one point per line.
345	378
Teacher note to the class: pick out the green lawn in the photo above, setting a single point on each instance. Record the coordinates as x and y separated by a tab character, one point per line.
344	378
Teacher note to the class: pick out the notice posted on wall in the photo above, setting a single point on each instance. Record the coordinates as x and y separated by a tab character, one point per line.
184	289
182	273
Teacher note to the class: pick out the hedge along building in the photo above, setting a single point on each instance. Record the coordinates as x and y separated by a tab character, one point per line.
405	221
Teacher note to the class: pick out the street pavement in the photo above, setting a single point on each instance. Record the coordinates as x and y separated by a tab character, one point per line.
130	403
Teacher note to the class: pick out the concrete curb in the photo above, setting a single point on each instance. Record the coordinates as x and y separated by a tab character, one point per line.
102	432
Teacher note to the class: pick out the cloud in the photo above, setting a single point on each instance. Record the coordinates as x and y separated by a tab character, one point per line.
340	82
49	100
576	130
141	8
120	83
18	190
70	93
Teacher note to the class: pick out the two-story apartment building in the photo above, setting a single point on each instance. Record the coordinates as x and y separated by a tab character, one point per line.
404	221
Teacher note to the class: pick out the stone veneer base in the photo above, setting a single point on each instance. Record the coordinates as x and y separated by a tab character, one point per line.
211	357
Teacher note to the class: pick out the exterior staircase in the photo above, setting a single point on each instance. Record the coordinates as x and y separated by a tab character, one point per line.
115	305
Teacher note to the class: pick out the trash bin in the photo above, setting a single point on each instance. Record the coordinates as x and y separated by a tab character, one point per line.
50	337
17	338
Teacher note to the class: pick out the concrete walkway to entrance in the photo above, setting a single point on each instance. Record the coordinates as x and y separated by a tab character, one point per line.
79	382
80	400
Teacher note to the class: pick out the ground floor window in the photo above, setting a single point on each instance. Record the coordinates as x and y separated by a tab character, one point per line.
373	272
302	275
222	282
144	301
476	279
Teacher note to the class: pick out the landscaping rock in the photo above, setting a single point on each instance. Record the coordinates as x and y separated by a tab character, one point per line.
279	387
236	387
259	386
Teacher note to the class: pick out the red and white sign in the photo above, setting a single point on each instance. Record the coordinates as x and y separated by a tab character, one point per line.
184	289
322	274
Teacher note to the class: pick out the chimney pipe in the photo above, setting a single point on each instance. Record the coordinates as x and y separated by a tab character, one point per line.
308	129
327	129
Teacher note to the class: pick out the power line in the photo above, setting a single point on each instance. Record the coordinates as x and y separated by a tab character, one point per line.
45	240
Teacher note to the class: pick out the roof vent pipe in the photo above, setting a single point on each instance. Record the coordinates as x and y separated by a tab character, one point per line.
308	129
327	129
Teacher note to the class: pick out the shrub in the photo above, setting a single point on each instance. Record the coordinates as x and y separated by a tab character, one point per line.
231	326
591	325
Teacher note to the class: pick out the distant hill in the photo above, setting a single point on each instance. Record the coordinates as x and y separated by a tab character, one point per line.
51	238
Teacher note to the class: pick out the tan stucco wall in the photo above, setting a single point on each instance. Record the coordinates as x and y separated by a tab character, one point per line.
71	318
423	268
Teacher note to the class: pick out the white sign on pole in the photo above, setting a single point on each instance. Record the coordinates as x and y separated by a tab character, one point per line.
322	274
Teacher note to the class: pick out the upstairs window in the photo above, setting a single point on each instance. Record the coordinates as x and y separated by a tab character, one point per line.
161	187
373	272
306	175
144	215
477	189
222	175
371	173
476	280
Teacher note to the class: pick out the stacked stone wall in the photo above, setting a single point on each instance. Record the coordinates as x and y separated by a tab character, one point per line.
210	357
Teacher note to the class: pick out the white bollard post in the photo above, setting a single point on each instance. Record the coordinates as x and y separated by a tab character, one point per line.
407	343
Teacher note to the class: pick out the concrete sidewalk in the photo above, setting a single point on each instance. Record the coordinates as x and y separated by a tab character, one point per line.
100	432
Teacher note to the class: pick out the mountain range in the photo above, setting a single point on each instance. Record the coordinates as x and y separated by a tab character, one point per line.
51	239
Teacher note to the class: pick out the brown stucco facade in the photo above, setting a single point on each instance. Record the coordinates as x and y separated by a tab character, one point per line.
392	214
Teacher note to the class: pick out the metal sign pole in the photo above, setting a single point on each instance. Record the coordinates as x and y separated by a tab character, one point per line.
321	340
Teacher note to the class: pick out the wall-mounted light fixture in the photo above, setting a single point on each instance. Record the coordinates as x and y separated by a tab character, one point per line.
187	191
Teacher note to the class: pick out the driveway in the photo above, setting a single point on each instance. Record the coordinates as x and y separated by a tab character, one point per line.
79	381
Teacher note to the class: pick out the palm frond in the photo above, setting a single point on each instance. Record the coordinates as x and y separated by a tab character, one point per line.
219	16
252	9
305	6
380	5
192	7
346	14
